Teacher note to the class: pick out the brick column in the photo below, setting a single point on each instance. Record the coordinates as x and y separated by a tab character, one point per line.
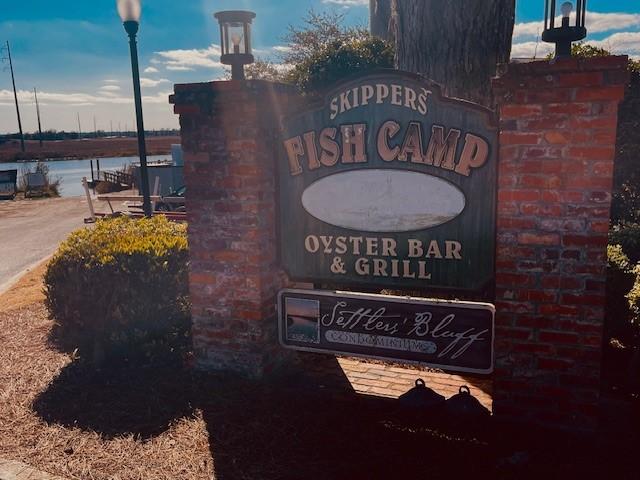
557	144
229	136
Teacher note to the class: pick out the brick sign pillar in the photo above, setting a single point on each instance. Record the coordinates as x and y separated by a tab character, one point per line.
229	136
557	143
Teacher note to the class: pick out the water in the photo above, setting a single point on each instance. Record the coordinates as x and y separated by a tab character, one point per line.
70	172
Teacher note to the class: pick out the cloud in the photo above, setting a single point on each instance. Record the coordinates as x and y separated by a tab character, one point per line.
527	43
179	68
111	80
80	99
595	23
348	3
150	82
110	88
158	98
61	98
621	43
189	59
151	70
531	50
282	48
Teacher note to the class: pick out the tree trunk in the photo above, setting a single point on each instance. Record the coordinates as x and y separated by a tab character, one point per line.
379	18
457	43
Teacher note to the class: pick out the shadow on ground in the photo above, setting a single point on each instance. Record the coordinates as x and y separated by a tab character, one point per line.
125	400
311	430
315	427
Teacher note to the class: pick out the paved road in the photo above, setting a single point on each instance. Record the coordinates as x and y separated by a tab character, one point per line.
30	231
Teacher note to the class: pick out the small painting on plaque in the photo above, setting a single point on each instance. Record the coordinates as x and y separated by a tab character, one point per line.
303	322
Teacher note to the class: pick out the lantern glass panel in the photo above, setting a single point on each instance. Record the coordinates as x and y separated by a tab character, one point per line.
247	38
235	39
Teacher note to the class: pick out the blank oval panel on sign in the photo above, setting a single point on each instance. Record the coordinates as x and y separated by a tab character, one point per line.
381	200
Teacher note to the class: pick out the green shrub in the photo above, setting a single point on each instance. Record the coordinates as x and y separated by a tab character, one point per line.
620	279
634	301
339	59
627	235
120	288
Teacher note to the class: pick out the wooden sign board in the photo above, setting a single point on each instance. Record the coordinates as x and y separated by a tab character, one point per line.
455	336
388	183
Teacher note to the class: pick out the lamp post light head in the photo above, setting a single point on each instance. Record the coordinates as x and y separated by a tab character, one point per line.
235	40
130	11
564	34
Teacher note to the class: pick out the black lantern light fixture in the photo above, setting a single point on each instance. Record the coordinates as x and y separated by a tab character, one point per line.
235	40
565	33
129	11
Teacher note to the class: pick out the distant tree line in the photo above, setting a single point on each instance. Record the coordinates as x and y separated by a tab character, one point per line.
50	135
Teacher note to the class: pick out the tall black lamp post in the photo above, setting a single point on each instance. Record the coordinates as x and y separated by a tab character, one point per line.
129	11
565	33
235	40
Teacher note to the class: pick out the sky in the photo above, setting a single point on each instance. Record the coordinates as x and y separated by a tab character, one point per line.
76	52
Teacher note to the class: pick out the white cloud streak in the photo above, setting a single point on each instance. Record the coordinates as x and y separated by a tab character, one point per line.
531	50
348	3
595	23
527	43
79	99
150	82
151	70
182	60
621	43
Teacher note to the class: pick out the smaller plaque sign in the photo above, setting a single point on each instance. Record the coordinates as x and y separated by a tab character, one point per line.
456	336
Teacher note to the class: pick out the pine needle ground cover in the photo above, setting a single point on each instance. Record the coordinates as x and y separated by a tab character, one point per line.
160	420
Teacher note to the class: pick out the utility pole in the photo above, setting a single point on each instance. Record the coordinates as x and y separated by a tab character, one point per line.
79	127
95	129
111	125
15	96
35	94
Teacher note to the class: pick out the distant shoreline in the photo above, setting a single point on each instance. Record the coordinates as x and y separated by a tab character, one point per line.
85	149
93	157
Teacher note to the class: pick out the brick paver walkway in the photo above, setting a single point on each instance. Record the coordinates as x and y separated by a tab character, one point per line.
392	381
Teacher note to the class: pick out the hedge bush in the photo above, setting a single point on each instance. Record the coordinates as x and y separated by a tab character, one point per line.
120	288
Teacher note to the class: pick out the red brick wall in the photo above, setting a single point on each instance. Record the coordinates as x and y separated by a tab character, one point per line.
557	139
229	138
557	143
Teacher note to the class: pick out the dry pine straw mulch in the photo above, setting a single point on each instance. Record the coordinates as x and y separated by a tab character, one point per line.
163	422
28	366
